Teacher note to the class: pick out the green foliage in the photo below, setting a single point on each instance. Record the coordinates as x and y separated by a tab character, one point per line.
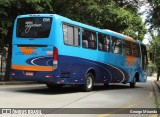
117	15
155	46
154	14
151	65
106	15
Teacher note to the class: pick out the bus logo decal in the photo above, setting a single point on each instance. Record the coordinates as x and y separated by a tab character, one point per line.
27	50
29	25
46	19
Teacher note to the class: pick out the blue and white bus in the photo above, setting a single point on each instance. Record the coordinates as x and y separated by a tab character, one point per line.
58	51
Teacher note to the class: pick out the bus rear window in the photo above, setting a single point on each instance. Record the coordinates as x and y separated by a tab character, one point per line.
34	27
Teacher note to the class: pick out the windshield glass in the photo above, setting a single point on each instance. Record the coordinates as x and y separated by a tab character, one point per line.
34	27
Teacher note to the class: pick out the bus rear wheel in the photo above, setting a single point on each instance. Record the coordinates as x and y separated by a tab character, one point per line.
89	82
133	83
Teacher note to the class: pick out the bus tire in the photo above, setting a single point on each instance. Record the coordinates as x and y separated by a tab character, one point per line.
89	82
133	83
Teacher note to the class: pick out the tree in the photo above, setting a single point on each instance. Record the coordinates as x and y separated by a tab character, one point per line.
155	46
105	14
154	14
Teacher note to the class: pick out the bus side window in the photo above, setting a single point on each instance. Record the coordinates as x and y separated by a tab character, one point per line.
116	45
135	49
71	35
103	42
131	49
84	39
76	36
89	39
127	48
85	43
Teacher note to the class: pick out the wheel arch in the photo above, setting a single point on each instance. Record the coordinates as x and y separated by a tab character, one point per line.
91	70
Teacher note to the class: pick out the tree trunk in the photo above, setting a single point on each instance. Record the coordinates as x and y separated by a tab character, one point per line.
8	65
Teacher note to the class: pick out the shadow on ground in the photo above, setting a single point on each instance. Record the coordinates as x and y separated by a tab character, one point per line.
69	89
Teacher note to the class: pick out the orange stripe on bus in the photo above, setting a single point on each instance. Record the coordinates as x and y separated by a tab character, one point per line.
129	39
27	50
131	60
32	68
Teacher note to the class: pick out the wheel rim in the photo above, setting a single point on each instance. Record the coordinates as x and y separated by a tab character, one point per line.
89	82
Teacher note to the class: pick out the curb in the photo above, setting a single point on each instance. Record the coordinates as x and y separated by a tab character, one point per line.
158	84
158	94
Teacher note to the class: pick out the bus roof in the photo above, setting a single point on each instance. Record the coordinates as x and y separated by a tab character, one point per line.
107	31
125	36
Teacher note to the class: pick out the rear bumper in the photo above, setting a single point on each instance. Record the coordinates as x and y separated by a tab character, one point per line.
35	76
44	77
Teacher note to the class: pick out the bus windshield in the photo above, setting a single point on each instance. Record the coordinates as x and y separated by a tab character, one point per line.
33	27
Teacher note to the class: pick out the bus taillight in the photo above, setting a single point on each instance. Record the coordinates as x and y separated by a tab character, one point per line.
55	58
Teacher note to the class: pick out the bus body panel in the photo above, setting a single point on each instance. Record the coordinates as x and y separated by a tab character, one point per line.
69	72
73	62
32	57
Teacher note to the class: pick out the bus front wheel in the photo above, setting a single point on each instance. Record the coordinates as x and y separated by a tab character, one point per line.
89	82
133	83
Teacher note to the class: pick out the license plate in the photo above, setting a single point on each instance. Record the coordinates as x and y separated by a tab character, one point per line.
29	73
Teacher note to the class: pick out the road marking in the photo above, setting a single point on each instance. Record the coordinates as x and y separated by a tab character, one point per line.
155	115
129	106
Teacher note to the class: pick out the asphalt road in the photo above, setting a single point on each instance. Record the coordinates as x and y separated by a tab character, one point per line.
117	96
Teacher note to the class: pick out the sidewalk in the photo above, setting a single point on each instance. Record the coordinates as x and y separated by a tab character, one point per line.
157	91
156	82
157	94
